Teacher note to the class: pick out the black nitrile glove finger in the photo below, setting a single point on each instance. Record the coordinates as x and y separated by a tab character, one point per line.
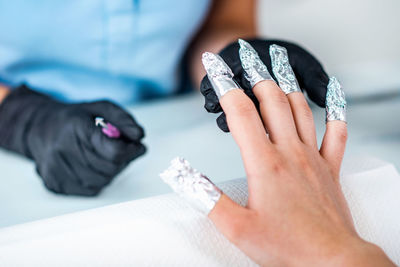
72	155
211	99
119	150
309	72
222	124
116	150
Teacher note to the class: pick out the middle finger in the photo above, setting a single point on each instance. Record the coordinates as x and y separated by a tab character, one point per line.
244	122
274	105
275	112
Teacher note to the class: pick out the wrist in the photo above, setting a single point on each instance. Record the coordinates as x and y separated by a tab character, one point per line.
358	252
368	254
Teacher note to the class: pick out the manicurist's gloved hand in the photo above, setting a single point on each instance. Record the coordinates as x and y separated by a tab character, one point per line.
309	72
72	155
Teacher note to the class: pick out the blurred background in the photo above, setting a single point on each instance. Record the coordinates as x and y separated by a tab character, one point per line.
358	41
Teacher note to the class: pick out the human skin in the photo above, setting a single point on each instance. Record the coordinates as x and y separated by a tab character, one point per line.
227	21
4	91
296	213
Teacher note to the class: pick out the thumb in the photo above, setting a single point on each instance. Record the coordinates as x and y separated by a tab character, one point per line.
230	218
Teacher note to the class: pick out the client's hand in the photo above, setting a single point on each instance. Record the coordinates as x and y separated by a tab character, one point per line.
296	214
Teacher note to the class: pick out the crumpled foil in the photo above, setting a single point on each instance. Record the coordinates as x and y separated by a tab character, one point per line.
191	184
255	70
219	74
335	103
282	69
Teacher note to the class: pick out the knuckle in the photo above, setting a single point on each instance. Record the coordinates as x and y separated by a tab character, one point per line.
75	117
342	135
237	230
277	166
337	131
301	153
298	148
278	96
242	107
107	104
306	164
243	228
53	153
305	111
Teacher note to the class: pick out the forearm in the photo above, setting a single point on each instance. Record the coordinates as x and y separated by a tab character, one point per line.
228	20
213	40
4	91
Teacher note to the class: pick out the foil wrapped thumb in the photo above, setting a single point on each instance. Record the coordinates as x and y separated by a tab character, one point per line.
192	185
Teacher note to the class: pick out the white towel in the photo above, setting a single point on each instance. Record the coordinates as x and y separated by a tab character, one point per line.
166	231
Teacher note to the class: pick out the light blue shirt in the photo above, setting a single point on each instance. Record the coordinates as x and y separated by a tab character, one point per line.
79	50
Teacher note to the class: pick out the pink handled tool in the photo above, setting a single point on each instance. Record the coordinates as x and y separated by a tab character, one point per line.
107	128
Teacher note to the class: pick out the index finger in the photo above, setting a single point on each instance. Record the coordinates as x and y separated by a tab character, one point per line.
246	126
243	119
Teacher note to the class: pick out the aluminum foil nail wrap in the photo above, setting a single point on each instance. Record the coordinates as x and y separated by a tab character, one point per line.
255	70
282	69
335	101
219	74
191	184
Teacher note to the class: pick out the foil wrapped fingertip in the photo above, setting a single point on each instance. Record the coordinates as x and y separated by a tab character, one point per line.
255	70
219	74
282	70
335	103
191	184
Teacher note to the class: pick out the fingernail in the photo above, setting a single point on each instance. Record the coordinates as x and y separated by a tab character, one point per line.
219	74
282	70
335	102
255	70
191	184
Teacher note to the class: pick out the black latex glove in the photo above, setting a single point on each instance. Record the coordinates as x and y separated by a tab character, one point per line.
309	72
72	155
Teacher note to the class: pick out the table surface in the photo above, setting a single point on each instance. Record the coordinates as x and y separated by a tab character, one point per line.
181	127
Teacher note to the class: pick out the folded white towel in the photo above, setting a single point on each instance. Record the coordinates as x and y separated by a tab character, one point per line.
166	231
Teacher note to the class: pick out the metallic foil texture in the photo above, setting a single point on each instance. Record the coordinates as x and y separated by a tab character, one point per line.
255	70
335	102
219	74
191	184
282	69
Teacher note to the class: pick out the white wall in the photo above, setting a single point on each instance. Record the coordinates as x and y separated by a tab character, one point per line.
357	40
